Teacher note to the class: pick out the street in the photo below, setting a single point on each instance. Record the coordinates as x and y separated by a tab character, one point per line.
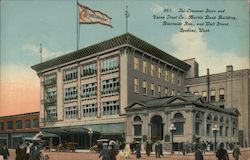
245	155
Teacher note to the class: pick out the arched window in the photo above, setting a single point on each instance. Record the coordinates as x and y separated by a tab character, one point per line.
198	122
137	126
179	123
221	126
227	127
27	123
209	125
156	128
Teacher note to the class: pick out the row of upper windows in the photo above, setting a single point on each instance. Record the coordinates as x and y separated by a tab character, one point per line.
212	94
167	91
173	77
19	124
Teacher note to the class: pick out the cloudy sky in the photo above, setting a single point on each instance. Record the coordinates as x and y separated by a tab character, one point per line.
27	23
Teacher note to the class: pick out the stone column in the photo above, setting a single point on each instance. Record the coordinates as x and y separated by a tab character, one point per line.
42	98
60	96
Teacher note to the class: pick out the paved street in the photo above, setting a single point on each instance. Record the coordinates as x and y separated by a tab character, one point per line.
94	156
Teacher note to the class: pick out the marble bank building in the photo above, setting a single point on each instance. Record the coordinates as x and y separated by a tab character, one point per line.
127	89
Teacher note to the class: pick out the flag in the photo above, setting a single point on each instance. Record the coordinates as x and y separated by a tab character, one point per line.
89	16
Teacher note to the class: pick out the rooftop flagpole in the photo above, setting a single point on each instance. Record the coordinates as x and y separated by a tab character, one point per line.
77	26
41	52
127	15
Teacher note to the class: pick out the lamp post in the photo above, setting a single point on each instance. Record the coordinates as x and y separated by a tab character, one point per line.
172	130
215	129
90	132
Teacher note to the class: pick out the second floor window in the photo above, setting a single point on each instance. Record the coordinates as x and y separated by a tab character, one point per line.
2	126
110	86
19	124
70	74
221	96
110	108
70	93
27	123
10	125
35	123
89	90
71	112
89	110
152	87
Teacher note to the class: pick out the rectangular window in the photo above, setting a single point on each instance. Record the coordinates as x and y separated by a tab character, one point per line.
27	123
89	110
152	88
137	130
221	94
152	70
71	112
51	113
10	125
212	97
70	93
159	72
159	90
50	79
19	124
204	95
226	131
173	77
70	74
110	64
209	129
166	91
197	128
178	79
89	90
221	130
50	95
88	70
110	108
144	67
1	126
136	85
35	123
136	63
110	86
173	92
167	75
144	87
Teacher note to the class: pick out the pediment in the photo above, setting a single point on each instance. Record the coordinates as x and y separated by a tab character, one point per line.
177	101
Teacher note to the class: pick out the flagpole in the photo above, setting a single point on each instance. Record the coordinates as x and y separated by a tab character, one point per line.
41	53
127	15
77	26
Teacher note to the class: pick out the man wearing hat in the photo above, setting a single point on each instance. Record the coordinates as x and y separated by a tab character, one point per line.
221	153
105	152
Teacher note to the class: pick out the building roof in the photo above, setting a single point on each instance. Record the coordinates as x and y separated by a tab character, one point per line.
21	115
119	41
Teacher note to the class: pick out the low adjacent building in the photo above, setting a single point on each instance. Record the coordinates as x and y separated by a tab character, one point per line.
16	128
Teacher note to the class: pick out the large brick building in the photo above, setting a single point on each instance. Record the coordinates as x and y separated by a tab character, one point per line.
16	128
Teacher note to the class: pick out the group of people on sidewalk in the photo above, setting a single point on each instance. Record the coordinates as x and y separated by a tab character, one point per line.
28	151
221	153
109	151
4	152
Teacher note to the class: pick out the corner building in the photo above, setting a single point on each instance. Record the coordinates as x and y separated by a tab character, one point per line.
90	88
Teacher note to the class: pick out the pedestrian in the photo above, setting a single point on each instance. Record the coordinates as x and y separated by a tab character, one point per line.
157	150
113	151
184	148
148	148
127	151
20	151
105	152
5	152
160	149
28	147
35	151
221	153
198	153
204	147
138	150
236	151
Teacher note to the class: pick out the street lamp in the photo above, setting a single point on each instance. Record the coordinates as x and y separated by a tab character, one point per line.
90	132
215	129
172	130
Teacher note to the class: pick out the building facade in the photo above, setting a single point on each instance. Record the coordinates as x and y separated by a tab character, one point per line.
227	89
90	88
16	128
192	117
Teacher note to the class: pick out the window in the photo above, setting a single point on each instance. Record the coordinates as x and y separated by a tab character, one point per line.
212	97
2	126
89	110
137	130
51	113
179	123
159	90
144	67
88	70
166	91
70	74
110	64
110	108
136	63
51	95
152	70
136	85
221	96
167	75
144	87
27	123
204	95
198	123
173	77
71	112
50	79
209	125
89	90
10	125
221	130
19	124
173	92
70	93
110	86
226	131
152	89
159	72
178	79
35	123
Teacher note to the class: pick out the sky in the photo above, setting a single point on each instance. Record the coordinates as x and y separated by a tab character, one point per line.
25	24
